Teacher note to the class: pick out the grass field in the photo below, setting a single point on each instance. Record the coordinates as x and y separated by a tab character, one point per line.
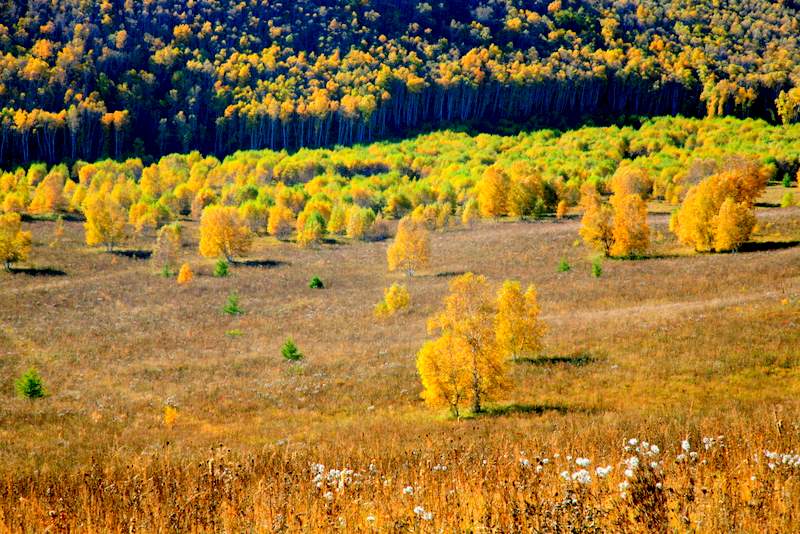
677	346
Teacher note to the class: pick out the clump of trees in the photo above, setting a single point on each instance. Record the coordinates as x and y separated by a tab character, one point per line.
476	334
719	213
618	227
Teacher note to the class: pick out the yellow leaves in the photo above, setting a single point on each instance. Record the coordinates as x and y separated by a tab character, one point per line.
105	220
517	326
185	274
223	233
359	221
281	221
700	222
466	362
493	192
735	222
395	298
443	365
630	231
597	225
411	247
15	244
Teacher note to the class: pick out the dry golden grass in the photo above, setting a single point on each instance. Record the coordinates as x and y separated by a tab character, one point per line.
677	346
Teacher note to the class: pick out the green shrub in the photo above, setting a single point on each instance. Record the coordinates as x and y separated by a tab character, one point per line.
290	351
234	333
232	307
221	269
316	283
787	180
597	268
563	266
166	272
30	385
787	200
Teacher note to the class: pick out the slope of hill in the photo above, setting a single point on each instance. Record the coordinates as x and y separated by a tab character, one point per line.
87	78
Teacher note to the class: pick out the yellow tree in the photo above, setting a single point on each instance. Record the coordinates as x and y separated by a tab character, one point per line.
49	194
467	325
597	228
517	326
168	245
443	365
411	249
185	274
224	233
15	244
395	298
697	221
280	222
493	190
105	220
630	233
734	224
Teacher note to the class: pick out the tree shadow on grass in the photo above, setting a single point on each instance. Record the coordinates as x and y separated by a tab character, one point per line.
263	264
38	271
133	254
449	274
764	246
514	408
578	360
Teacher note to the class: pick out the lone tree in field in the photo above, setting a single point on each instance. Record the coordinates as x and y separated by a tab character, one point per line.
30	385
168	245
14	243
105	220
468	344
224	233
517	326
719	212
411	249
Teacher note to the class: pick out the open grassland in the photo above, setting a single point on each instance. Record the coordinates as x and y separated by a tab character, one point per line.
677	346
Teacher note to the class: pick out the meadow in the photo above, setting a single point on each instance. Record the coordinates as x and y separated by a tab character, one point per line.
695	354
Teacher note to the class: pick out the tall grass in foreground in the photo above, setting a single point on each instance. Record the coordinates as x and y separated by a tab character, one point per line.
700	483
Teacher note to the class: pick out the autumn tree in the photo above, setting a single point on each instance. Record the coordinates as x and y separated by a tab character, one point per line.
105	220
518	328
224	233
465	363
411	247
185	274
701	222
493	190
281	221
395	298
630	232
597	224
168	245
15	244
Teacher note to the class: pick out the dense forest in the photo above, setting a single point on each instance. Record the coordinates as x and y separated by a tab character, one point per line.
87	79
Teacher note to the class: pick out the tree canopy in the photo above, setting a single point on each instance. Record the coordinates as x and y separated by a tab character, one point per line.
97	78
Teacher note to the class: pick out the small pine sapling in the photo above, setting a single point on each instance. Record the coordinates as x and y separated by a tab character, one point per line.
290	351
30	385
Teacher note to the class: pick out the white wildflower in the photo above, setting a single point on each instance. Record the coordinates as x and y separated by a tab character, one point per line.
583	462
408	490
